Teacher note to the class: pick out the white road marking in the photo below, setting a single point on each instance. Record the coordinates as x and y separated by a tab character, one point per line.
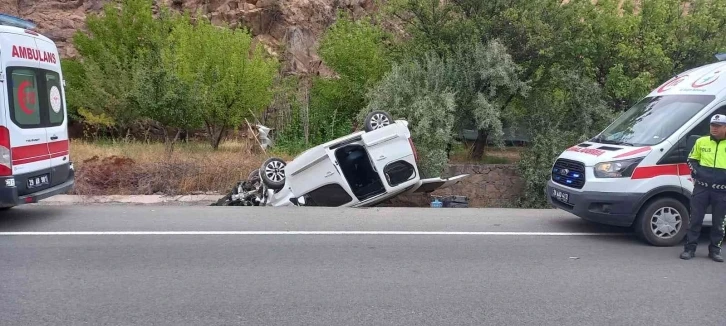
311	233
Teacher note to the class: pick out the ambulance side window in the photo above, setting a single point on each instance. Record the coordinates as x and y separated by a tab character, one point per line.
55	100
679	153
35	98
23	96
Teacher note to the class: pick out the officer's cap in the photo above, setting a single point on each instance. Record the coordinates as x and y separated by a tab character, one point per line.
718	119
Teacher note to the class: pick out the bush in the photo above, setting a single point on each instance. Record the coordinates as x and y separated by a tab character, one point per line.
417	92
571	109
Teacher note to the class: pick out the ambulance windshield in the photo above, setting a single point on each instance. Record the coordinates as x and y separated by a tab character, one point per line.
653	119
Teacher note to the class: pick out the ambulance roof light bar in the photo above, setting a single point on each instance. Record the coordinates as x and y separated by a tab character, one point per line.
16	22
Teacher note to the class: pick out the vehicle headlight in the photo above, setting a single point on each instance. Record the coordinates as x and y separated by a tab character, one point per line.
616	169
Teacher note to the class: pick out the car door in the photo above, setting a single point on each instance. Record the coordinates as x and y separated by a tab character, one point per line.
387	145
314	171
24	117
54	109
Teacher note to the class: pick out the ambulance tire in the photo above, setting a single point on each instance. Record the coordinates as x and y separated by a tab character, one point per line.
272	173
642	225
377	120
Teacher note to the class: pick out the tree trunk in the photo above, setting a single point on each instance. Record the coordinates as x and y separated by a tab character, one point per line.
171	141
480	144
217	139
210	133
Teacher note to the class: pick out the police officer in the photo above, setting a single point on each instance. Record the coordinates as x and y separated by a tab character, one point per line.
707	161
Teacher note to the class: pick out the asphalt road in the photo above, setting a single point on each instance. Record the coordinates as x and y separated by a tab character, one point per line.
132	265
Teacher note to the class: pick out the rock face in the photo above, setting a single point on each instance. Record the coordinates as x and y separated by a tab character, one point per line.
289	29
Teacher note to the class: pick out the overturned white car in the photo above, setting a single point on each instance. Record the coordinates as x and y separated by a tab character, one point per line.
362	169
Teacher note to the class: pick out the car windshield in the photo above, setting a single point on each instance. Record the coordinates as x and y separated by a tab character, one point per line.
653	119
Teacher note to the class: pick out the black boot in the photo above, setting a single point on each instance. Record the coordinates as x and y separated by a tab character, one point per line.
688	254
715	256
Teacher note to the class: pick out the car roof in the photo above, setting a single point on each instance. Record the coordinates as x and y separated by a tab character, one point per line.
21	31
708	79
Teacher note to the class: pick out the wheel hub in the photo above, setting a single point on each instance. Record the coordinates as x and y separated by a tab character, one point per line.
379	121
666	222
275	171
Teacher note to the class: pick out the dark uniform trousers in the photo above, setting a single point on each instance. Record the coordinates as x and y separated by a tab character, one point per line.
703	195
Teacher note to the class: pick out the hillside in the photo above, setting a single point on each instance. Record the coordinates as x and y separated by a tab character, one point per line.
292	25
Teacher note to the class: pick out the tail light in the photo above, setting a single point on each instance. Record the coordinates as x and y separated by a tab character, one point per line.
6	163
413	147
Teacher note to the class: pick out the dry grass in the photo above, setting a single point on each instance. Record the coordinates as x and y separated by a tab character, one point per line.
142	169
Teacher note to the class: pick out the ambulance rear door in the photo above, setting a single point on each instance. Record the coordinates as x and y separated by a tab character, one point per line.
52	95
26	121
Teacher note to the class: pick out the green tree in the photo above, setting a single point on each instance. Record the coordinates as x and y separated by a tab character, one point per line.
162	96
432	25
477	78
485	78
231	77
115	40
356	50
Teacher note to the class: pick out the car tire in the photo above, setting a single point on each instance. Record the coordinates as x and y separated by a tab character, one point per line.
254	175
273	173
377	120
663	210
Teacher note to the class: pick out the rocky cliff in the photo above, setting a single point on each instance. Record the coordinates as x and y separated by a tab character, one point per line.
289	29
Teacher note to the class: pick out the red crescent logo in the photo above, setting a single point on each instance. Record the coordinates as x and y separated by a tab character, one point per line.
22	96
671	83
707	79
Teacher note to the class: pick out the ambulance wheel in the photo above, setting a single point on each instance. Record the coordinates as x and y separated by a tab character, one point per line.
662	222
377	120
273	173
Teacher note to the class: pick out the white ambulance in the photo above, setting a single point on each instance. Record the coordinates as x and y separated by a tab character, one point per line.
34	150
634	173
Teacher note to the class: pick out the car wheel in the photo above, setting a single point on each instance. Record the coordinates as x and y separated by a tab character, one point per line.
254	177
273	173
663	222
377	120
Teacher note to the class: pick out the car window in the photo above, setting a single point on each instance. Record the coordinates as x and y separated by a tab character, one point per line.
679	153
24	102
35	98
328	195
55	99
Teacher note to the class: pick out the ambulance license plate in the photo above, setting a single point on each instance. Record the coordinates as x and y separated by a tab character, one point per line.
561	196
38	181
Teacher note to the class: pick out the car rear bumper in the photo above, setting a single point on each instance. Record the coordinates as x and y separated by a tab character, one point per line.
618	209
9	195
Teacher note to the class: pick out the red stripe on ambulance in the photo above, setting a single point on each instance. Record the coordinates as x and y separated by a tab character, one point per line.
39	152
58	147
633	152
647	172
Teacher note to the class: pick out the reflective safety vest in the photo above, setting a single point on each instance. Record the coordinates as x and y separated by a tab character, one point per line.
711	167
